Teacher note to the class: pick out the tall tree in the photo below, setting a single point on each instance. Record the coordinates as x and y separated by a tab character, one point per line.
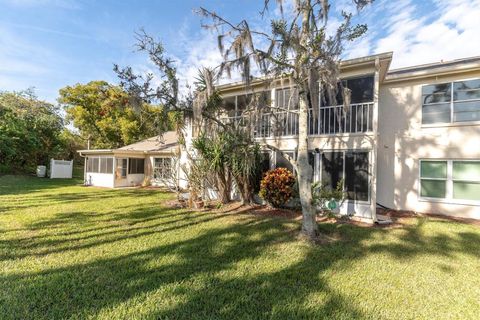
104	114
299	49
31	132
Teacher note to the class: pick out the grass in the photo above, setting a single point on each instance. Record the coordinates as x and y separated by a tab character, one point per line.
68	251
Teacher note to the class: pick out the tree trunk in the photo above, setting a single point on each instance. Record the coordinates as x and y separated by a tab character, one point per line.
305	172
224	187
245	189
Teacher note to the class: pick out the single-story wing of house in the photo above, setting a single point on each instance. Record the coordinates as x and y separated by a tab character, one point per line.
152	161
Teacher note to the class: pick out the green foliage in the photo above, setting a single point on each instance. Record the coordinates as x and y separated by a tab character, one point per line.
277	186
231	153
106	114
214	151
322	194
31	132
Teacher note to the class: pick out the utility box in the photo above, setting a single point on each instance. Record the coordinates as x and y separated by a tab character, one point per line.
61	169
41	171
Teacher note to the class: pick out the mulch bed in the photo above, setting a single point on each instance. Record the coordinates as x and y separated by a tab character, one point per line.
399	218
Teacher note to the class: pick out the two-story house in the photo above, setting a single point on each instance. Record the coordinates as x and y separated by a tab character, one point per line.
408	140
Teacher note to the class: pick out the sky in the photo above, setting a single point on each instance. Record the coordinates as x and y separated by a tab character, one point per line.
49	44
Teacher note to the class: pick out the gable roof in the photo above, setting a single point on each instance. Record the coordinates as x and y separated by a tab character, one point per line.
161	143
166	143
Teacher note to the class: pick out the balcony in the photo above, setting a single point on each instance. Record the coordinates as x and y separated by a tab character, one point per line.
331	120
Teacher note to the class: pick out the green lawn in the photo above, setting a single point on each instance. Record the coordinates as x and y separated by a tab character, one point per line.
67	251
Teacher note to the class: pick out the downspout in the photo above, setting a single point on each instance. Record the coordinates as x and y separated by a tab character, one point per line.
84	168
373	196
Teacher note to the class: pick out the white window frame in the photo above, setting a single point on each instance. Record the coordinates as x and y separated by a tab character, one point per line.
449	180
452	103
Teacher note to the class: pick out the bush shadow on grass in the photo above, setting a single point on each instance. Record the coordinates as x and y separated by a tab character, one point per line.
194	279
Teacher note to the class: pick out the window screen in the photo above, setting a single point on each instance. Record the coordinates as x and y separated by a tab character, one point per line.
284	99
89	164
136	166
100	165
361	91
95	164
332	169
356	175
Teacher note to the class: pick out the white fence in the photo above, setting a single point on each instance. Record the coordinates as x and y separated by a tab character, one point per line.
61	169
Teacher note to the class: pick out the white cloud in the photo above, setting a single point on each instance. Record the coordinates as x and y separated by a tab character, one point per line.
449	31
200	51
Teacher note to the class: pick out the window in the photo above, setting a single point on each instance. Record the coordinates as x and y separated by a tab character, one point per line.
282	162
162	168
100	165
436	103
136	166
229	104
466	180
236	105
95	165
286	123
361	91
105	165
466	101
433	179
451	102
352	167
89	164
457	180
284	99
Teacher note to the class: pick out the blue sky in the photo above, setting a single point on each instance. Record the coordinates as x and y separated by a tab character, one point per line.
48	44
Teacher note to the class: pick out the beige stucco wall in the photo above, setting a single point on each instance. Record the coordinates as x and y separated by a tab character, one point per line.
403	141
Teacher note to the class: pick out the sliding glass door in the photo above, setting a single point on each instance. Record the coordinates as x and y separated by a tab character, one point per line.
351	167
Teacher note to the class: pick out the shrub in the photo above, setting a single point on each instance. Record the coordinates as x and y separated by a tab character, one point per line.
277	186
322	195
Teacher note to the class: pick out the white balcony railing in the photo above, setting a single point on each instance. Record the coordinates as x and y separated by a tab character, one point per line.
356	118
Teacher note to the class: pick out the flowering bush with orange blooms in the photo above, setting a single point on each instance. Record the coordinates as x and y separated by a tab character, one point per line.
277	186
